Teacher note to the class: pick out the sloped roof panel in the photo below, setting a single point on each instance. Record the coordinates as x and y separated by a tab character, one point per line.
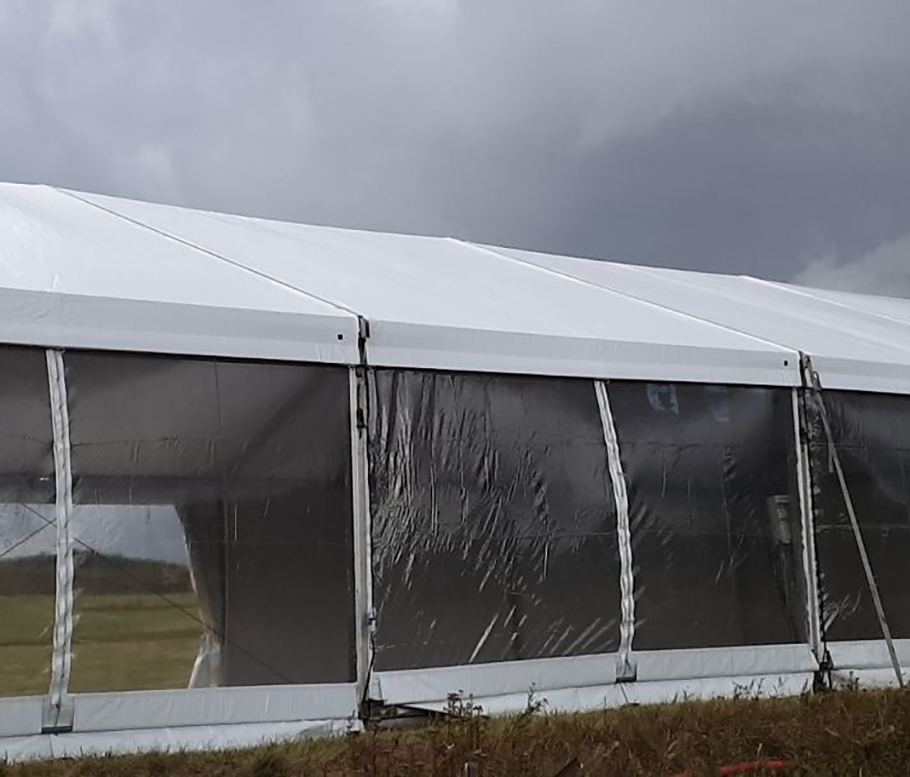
853	344
895	308
440	303
73	275
83	270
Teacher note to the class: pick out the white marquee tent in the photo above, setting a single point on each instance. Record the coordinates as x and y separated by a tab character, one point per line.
263	479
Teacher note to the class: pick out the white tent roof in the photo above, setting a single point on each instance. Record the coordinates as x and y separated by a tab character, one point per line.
855	341
73	275
83	270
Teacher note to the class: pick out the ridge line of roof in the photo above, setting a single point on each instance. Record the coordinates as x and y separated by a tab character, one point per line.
189	244
627	295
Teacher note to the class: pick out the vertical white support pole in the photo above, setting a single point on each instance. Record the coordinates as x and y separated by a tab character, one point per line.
58	713
363	587
625	669
804	486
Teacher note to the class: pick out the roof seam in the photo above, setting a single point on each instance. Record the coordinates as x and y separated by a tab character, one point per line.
804	292
687	283
568	276
234	263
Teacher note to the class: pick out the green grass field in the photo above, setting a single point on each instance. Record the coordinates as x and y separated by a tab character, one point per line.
121	643
26	636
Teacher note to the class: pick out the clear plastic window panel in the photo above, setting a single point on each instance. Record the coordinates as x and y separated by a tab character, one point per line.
212	522
28	528
714	514
493	522
872	434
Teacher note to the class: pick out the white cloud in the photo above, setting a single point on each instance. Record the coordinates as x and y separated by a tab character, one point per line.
886	270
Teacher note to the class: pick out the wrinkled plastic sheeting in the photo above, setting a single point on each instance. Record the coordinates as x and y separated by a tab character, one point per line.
872	435
213	522
493	523
715	520
28	528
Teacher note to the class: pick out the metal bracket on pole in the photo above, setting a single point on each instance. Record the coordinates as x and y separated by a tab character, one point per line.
813	380
625	665
58	713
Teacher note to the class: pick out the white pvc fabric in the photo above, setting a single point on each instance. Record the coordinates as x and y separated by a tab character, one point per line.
258	477
85	270
855	341
73	275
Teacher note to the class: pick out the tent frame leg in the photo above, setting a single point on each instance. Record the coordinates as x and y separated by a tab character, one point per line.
813	380
807	515
360	481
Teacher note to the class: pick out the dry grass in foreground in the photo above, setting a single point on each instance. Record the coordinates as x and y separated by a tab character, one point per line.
845	733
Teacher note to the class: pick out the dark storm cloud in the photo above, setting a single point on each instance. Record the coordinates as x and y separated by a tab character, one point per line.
761	137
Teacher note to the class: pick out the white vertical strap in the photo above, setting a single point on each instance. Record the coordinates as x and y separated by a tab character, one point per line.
58	715
363	588
815	382
625	669
804	487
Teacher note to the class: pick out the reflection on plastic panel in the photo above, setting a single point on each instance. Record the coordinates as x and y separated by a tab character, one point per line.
28	532
714	514
872	433
494	530
212	522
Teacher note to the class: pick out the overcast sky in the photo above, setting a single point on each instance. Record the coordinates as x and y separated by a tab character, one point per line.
769	137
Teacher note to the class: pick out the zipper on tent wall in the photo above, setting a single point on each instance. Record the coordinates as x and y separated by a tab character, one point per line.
58	712
814	382
625	663
365	618
807	517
